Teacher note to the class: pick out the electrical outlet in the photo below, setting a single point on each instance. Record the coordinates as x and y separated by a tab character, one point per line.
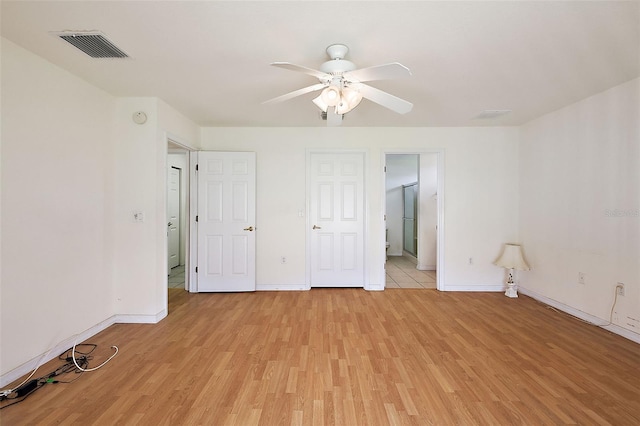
471	261
620	289
633	322
581	278
138	216
283	259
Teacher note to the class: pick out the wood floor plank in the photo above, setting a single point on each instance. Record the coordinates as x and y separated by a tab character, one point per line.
349	357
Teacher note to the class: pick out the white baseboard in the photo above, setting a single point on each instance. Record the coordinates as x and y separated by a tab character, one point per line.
491	288
422	267
282	287
616	329
374	287
62	346
302	287
141	319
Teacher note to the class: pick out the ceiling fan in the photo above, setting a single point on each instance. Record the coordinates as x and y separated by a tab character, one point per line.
342	85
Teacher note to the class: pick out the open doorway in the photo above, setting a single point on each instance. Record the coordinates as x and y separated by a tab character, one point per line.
412	218
177	215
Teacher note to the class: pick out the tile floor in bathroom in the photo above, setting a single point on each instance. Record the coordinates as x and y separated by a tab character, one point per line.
176	277
402	273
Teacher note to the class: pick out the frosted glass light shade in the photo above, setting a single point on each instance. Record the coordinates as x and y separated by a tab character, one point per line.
350	99
344	100
320	103
331	95
512	258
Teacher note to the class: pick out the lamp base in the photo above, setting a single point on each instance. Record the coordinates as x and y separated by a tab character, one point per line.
512	290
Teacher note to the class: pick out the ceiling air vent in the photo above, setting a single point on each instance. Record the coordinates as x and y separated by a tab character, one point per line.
93	43
491	113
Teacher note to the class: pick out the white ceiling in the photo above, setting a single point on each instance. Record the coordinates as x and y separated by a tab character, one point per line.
210	59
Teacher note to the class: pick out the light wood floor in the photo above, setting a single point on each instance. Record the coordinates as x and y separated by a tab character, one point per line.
350	357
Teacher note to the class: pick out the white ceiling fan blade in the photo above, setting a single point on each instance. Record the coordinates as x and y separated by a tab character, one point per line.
333	119
295	93
379	72
385	99
299	68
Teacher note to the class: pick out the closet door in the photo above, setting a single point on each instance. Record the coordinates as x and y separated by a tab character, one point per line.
336	190
226	221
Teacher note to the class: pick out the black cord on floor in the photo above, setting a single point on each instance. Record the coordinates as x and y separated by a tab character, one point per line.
82	357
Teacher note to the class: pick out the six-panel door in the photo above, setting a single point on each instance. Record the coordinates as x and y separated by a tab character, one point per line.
337	219
226	221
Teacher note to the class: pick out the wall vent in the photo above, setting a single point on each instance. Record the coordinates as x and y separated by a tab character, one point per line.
93	43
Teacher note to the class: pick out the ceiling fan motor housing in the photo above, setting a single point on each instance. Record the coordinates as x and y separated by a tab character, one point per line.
337	65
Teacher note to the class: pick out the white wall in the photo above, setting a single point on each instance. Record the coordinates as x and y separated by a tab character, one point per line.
141	179
74	169
57	206
480	191
580	204
428	207
137	269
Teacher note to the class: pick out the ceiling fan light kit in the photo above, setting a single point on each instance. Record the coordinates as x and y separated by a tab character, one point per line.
342	85
350	99
331	96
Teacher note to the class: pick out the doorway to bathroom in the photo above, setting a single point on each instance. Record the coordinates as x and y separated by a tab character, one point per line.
177	214
412	207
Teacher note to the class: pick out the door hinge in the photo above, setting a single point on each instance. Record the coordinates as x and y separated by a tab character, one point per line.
196	218
196	269
385	168
196	167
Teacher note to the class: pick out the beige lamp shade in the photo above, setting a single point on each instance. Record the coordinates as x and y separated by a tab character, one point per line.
512	258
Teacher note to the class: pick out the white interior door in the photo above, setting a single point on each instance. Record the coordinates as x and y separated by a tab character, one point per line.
173	215
226	221
337	219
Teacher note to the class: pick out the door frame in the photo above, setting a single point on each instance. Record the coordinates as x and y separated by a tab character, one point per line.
440	241
174	145
365	225
190	273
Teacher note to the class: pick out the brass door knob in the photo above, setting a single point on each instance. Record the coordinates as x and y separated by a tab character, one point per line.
317	227
249	229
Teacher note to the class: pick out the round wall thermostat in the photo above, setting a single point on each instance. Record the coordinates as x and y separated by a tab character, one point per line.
139	117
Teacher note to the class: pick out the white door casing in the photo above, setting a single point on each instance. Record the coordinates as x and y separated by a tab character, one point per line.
336	213
226	221
173	216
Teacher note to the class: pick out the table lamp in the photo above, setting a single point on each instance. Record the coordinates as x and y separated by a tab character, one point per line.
511	259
